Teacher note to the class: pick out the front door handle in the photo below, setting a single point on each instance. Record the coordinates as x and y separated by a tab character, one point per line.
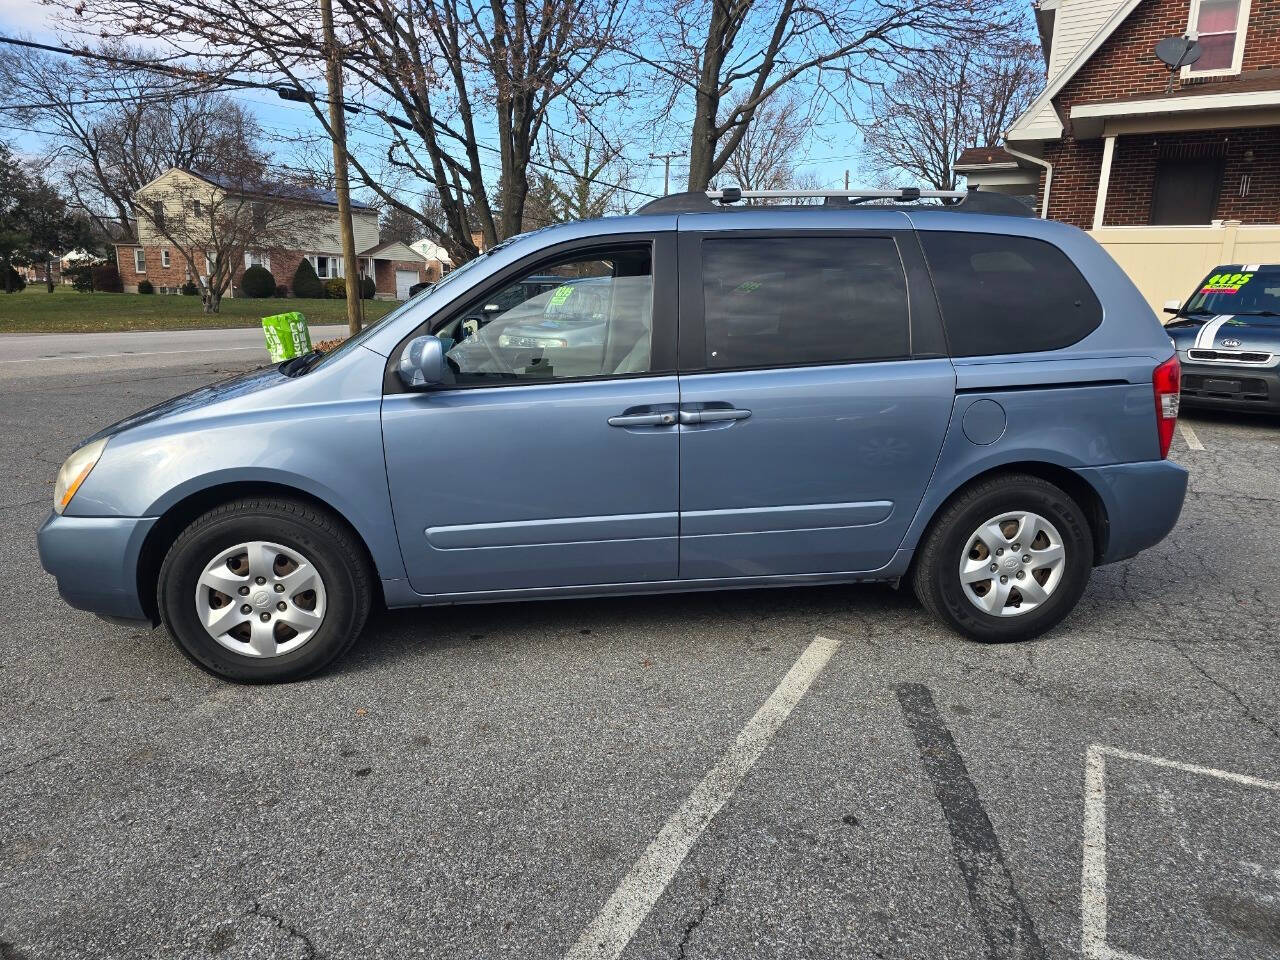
643	420
712	415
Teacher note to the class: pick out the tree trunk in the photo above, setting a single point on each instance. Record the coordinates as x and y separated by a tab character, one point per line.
48	275
6	268
211	301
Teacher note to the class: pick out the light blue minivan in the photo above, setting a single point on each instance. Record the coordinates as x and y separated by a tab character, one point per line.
705	395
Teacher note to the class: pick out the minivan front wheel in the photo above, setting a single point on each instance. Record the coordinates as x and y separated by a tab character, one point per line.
1006	560
261	591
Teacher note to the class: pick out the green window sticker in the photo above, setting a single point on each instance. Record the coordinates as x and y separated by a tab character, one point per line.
559	296
1226	282
747	286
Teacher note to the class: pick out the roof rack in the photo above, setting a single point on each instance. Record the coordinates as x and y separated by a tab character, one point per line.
960	201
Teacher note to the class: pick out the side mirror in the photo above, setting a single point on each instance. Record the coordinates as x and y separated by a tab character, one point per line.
422	363
1172	306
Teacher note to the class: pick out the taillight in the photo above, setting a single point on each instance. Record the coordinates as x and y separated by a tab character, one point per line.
1167	380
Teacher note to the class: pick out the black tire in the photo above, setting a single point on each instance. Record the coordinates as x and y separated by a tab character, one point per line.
935	576
317	534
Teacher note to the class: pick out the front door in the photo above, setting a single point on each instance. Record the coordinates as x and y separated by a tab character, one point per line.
553	461
811	424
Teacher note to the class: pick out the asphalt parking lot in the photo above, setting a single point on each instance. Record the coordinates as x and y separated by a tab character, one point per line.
803	773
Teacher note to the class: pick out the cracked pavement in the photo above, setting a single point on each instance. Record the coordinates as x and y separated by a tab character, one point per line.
475	781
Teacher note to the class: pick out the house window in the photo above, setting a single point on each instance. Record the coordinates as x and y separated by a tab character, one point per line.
164	257
256	258
197	210
208	266
139	261
327	267
1219	27
157	215
259	211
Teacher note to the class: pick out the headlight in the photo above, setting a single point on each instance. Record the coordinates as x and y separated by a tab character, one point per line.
75	471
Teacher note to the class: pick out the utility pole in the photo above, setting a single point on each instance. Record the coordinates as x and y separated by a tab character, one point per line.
338	123
666	173
846	179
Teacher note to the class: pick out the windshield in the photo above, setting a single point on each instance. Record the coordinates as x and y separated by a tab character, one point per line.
352	342
1238	290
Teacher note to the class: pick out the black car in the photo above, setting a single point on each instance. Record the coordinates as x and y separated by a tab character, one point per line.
1228	338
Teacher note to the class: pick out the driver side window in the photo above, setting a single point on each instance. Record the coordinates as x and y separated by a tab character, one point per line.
588	316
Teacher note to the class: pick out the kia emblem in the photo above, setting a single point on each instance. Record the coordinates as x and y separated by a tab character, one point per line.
1231	342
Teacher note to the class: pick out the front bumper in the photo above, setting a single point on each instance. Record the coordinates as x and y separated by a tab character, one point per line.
1230	387
1143	502
95	560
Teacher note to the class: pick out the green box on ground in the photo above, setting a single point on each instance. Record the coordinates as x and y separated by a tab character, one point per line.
287	336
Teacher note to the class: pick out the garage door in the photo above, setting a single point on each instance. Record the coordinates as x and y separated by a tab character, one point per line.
404	280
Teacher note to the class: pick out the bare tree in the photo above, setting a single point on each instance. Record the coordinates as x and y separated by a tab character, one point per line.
590	177
744	52
447	71
213	222
109	129
962	96
765	156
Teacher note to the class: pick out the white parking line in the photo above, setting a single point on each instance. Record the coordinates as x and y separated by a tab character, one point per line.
146	353
1093	876
608	935
1189	435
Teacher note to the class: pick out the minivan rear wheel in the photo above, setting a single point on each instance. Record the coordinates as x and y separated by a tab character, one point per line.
262	591
1007	559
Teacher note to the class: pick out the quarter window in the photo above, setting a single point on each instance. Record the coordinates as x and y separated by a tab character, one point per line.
582	318
1002	294
789	301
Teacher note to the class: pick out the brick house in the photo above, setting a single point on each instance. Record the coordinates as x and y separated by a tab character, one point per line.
152	257
1171	181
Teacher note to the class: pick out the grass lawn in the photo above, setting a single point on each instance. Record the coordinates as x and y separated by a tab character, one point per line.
65	311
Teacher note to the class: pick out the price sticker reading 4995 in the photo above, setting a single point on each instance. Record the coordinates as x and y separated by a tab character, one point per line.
1226	282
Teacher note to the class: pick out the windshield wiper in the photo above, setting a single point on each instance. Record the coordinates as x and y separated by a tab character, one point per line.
297	366
1258	313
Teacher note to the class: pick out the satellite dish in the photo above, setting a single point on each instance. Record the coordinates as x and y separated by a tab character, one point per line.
1176	53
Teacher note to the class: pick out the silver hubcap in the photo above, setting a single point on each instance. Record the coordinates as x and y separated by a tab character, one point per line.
1012	564
260	599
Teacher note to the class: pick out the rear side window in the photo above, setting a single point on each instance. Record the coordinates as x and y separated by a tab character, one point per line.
787	301
1003	294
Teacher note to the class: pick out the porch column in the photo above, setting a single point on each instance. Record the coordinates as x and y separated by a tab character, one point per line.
1104	181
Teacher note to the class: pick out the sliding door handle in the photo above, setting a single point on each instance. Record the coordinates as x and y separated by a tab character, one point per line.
712	415
643	420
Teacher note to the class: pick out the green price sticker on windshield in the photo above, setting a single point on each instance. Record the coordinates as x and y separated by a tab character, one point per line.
559	296
1226	282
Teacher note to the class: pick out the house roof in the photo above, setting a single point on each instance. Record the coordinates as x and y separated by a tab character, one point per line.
1255	81
282	191
976	158
1040	121
392	250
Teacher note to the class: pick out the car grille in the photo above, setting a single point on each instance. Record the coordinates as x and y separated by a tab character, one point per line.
1229	356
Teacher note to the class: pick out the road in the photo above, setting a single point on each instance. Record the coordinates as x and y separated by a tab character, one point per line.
116	350
800	773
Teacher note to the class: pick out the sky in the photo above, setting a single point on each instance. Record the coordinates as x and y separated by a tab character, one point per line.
832	149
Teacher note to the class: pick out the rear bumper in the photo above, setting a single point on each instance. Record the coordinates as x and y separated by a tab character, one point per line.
1236	388
1142	500
95	560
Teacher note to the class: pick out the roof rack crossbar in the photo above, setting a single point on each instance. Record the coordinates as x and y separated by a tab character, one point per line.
729	198
733	194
